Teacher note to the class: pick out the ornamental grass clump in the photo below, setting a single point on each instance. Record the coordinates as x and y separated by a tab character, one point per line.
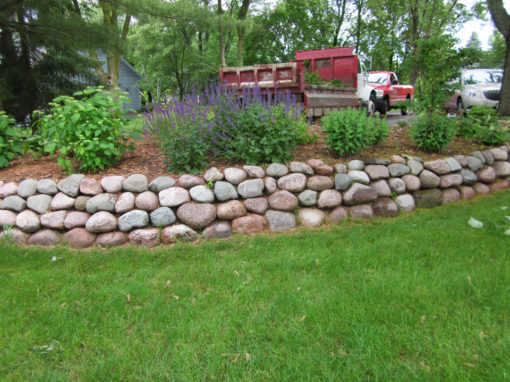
222	123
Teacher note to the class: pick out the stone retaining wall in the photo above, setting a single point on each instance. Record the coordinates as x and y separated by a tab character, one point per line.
116	210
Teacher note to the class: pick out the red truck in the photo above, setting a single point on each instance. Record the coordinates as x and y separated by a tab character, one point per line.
335	63
385	92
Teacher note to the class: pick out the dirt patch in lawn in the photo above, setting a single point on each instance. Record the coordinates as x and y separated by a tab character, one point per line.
146	158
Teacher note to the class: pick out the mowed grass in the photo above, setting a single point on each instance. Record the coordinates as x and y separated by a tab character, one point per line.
420	297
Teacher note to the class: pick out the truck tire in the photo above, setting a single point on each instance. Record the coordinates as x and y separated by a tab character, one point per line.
371	106
383	108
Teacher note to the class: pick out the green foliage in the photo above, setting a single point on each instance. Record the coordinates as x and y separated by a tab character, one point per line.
481	123
88	130
10	140
313	78
433	132
349	131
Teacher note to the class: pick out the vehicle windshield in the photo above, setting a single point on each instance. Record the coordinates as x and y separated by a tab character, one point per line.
377	78
481	77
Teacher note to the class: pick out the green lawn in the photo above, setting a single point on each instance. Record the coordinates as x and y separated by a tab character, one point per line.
420	297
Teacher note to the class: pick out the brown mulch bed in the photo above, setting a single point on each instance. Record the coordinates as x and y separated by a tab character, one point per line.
146	158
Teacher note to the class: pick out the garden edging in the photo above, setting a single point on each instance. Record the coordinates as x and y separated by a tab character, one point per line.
116	210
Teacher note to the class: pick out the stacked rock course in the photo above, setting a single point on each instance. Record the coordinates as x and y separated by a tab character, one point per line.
116	210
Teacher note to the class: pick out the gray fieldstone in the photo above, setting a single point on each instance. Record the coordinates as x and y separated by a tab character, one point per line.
499	154
15	236
188	180
397	185
47	186
359	194
361	211
486	175
235	175
438	166
7	218
197	215
489	159
100	222
62	202
80	203
39	203
405	202
146	237
280	221
27	187
468	177
111	239
202	194
75	219
359	176
453	164
112	184
13	203
466	192
451	195
342	182
54	220
175	196
220	230
71	185
329	199
428	198
125	203
90	186
224	191
385	207
101	202
302	168
178	232
254	172
340	168
398	169
45	237
276	170
378	161
462	159
147	201
133	219
429	179
249	225
481	188
79	238
337	215
319	182
136	183
320	168
311	217
162	217
478	155
294	182
412	182
251	188
415	166
308	198
283	200
356	165
28	221
256	205
376	172
270	184
381	188
213	175
8	189
230	210
398	159
474	164
502	169
161	183
450	180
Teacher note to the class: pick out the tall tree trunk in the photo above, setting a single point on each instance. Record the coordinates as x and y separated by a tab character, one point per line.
221	36
340	15
241	29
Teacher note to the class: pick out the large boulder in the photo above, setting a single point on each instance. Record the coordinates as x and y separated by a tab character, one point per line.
62	202
249	225
45	237
71	185
235	175
202	194
125	203
133	219
300	167
213	175
294	182
178	232
75	219
319	167
405	202
251	188
219	230
187	181
39	203
162	217
362	211
146	201
319	183
256	205
90	186
146	237
311	217
112	184
329	199
27	188
277	170
376	172
79	238
385	207
428	198
8	189
173	197
280	221
101	202
136	183
230	210
47	186
197	215
161	183
254	171
359	194
283	200
13	203
54	220
7	218
308	198
28	221
111	239
224	191
100	222
428	179
438	166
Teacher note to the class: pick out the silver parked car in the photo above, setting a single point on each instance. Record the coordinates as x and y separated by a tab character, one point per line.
478	87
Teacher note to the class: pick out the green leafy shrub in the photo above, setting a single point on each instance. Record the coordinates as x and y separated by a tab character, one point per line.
10	140
88	130
433	132
482	124
314	78
350	130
